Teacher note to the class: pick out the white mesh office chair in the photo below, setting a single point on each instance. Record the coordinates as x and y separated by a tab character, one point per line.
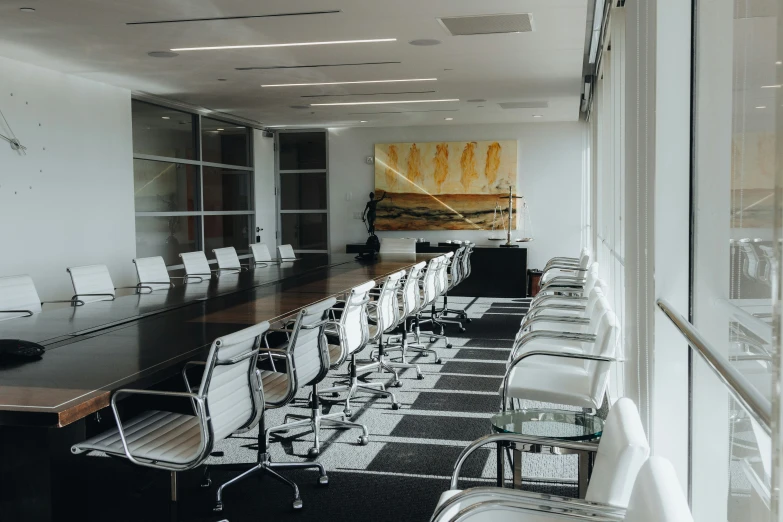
153	274
621	452
229	399
286	253
228	261
93	283
261	255
464	272
433	316
354	336
453	278
579	378
397	246
410	305
196	266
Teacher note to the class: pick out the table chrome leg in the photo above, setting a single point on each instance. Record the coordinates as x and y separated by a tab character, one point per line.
517	469
584	472
501	465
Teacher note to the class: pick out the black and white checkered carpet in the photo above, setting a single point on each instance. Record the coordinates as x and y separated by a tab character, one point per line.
398	476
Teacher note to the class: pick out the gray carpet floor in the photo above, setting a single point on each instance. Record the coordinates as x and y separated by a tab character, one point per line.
399	475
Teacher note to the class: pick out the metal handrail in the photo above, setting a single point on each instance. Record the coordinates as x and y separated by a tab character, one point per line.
759	407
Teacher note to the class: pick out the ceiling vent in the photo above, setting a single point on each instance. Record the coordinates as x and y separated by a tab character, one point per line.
524	105
487	24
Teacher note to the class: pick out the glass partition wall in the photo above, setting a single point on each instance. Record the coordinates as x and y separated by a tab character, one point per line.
193	183
735	265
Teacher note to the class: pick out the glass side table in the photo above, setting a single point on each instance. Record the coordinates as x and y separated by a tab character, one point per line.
556	425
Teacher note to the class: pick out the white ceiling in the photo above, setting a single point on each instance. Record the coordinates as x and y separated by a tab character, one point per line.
90	38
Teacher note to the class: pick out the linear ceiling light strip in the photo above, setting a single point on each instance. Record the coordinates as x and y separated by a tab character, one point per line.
292	44
219	18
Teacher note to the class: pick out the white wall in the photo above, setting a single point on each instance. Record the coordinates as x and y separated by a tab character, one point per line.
550	158
69	201
266	213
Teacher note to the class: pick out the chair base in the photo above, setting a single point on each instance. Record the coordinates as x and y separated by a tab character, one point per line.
266	466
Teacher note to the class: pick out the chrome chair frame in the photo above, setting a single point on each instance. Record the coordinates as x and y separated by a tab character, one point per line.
410	305
433	316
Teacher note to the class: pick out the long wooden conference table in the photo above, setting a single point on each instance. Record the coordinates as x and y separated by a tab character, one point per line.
136	341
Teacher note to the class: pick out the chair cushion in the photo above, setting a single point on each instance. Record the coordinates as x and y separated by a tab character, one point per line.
559	384
154	435
275	387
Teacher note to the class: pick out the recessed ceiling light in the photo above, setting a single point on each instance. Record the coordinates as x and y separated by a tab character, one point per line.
292	44
383	102
537	116
221	129
761	107
778	63
770	86
448	119
349	83
424	42
363	121
448	69
27	9
165	117
162	54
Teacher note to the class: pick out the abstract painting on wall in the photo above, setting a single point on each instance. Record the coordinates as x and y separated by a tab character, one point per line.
442	185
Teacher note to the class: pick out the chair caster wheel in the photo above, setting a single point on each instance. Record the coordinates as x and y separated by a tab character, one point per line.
449	345
364	440
348	413
218	507
396	406
335	394
439	360
420	377
462	329
397	384
324	480
313	452
298	504
432	339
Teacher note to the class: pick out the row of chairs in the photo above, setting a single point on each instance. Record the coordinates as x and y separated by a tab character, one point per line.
267	366
561	354
19	297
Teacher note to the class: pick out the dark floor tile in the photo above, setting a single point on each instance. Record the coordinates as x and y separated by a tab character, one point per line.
441	428
457	382
456	402
492	326
487	355
426	459
489	343
474	368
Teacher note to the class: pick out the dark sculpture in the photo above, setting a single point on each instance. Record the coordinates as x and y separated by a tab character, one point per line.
368	216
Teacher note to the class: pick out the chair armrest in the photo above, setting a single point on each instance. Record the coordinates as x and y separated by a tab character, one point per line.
77	301
144	285
199	406
189	365
555	320
28	312
73	302
549	353
526	504
543	298
550	334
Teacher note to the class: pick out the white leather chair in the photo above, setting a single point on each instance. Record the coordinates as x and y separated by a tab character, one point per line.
573	261
353	329
433	316
566	288
567	269
306	355
429	294
93	283
656	497
385	317
261	255
454	277
390	245
410	305
562	316
153	274
580	376
228	261
621	452
18	297
196	266
286	253
228	400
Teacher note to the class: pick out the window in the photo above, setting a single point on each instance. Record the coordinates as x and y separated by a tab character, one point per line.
303	181
192	183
